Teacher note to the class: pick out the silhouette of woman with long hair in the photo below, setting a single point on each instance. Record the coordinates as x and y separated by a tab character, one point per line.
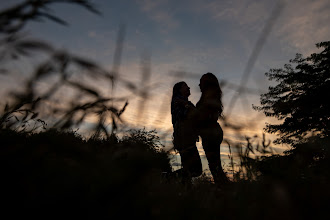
209	109
185	133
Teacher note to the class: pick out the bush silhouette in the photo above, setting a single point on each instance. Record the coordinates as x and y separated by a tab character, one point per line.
56	169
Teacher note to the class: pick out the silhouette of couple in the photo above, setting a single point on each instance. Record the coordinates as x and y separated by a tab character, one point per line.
191	121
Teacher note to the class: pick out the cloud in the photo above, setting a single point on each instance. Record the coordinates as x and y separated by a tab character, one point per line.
251	14
299	27
303	24
92	34
160	12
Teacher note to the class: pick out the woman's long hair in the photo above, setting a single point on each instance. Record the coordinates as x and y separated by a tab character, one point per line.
176	92
211	92
176	89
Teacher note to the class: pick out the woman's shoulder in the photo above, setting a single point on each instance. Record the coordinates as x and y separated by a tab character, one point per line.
175	98
179	100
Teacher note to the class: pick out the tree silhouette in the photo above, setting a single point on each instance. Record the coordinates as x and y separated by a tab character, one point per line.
300	99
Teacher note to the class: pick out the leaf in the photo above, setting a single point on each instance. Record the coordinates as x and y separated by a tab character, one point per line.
34	115
101	127
81	119
113	109
43	69
123	109
67	124
84	88
130	86
85	63
114	125
53	18
3	71
26	115
22	52
6	107
34	45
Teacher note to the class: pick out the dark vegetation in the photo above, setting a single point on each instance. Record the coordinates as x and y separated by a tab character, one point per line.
51	171
56	174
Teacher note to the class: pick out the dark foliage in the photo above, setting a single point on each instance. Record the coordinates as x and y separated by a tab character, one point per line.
56	171
56	174
302	174
308	161
300	97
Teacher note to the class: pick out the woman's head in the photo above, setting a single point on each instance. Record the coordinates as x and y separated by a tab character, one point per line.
182	89
208	81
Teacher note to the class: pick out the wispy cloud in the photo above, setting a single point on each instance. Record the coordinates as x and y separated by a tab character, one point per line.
300	25
305	23
243	13
160	12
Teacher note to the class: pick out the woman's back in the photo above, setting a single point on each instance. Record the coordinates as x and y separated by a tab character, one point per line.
208	109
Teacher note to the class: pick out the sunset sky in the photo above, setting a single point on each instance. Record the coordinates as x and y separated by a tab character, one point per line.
192	36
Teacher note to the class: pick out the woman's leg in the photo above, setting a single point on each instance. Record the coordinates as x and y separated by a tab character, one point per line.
191	164
191	161
185	142
211	140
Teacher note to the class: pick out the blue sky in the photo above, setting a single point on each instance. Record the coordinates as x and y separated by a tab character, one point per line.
196	36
